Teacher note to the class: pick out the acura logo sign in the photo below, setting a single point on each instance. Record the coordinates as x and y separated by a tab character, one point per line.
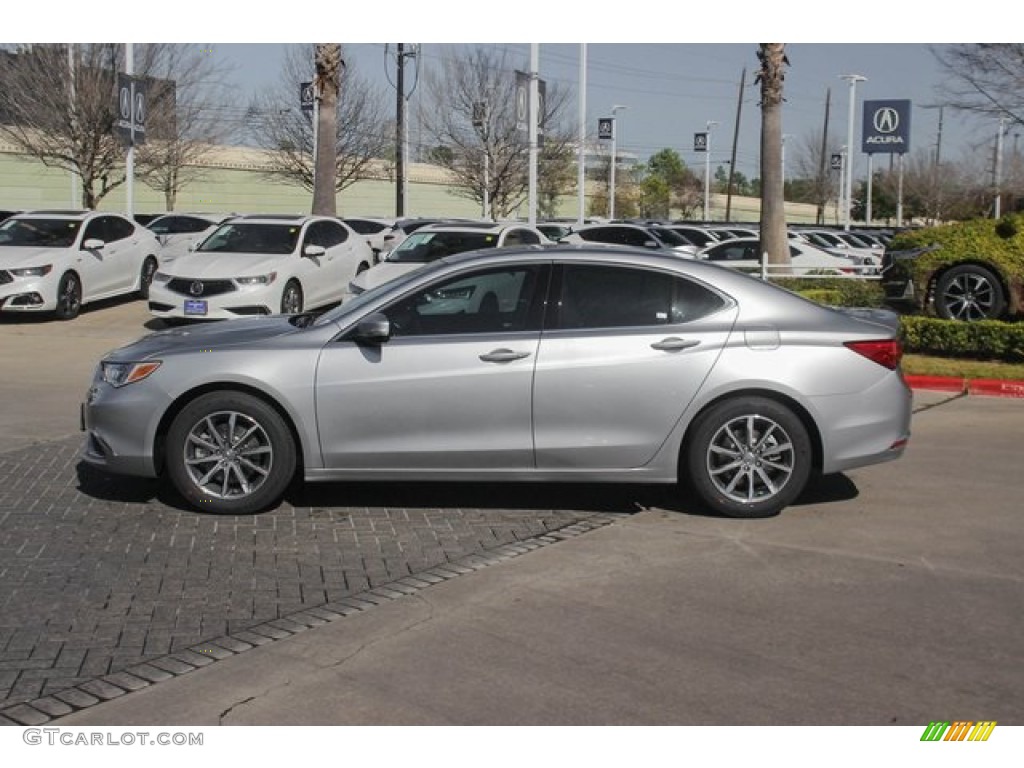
196	289
886	126
886	120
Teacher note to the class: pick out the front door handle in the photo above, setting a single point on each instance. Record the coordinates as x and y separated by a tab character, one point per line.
503	356
674	343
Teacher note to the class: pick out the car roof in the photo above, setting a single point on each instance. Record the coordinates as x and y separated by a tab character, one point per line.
473	226
64	214
280	218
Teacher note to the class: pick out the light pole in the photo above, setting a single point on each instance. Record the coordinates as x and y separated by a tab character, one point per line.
853	80
707	170
611	172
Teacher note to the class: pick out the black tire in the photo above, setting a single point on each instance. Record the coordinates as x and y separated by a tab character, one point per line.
969	292
149	267
69	297
230	453
748	457
291	298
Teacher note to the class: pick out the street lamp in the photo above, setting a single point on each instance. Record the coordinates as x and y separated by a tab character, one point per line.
707	170
611	173
848	166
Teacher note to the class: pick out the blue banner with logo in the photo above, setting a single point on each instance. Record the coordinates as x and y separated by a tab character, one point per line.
886	127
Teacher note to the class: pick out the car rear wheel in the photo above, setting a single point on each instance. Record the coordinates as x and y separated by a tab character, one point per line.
146	276
748	457
291	299
69	297
969	292
230	453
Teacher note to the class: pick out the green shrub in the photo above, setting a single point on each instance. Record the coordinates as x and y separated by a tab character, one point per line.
838	291
983	340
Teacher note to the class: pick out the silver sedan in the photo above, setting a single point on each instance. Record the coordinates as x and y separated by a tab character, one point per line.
590	364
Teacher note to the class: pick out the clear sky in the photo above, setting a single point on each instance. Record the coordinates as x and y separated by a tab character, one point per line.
675	66
672	90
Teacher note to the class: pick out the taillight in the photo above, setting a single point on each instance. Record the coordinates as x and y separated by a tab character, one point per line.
885	352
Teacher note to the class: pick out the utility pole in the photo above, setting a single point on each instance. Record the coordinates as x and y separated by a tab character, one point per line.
823	188
997	171
735	142
400	134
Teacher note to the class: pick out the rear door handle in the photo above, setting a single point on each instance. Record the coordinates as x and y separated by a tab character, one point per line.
674	343
503	356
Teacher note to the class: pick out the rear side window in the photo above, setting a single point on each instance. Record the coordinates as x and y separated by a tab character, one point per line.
594	296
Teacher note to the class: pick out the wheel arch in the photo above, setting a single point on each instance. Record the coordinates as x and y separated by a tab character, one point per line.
163	427
779	397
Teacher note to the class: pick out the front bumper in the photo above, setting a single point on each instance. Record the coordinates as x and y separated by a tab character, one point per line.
29	294
120	427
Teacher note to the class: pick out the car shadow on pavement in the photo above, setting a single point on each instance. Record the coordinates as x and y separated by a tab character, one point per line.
577	497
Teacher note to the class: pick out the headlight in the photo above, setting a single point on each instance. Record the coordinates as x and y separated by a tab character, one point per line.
32	271
161	277
257	280
119	374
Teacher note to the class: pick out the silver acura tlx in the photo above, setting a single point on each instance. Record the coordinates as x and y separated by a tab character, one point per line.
570	363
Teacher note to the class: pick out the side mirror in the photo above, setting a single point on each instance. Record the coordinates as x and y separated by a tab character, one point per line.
93	244
312	251
375	328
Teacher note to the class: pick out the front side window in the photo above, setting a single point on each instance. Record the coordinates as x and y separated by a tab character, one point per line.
617	297
495	300
118	229
39	233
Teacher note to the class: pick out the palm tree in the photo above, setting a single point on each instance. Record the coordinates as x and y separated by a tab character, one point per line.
327	57
774	241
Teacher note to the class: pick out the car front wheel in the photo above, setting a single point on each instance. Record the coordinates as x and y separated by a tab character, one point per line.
969	292
149	268
748	457
230	453
291	299
69	297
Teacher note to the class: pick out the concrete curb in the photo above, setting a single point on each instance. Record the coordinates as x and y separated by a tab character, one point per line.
987	387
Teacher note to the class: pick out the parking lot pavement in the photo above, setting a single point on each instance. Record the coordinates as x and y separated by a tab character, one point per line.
890	595
886	595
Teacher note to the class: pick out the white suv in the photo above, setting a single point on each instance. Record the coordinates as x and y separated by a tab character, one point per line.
56	261
261	265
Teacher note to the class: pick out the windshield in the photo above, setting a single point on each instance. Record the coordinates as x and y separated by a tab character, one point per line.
39	233
252	238
424	247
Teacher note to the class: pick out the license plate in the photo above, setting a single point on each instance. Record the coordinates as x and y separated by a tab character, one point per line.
195	307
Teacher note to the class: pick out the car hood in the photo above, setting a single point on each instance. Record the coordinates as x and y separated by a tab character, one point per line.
17	256
204	336
383	273
210	265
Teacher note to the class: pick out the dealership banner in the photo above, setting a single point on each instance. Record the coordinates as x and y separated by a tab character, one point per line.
886	127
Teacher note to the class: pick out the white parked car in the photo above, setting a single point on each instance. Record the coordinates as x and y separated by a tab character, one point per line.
636	235
374	230
435	241
56	261
744	253
178	232
261	265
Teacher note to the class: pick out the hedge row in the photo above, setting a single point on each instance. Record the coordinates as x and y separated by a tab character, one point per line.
984	340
